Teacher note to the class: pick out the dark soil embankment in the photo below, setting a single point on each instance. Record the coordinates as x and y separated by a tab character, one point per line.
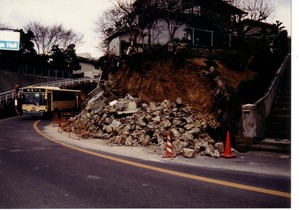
161	80
213	94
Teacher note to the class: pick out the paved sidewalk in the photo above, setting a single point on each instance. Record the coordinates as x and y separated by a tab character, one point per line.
253	162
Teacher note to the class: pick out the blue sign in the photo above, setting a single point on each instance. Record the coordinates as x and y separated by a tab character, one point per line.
9	45
9	40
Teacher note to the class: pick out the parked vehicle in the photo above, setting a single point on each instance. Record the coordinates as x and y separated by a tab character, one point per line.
42	101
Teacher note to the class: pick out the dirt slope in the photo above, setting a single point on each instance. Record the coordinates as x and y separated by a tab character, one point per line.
192	83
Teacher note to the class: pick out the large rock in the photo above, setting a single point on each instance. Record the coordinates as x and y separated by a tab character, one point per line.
166	104
129	141
188	153
187	137
160	140
200	145
220	147
166	124
176	134
177	147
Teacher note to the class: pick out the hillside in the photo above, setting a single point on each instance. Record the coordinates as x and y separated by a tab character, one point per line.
194	83
9	79
189	98
196	103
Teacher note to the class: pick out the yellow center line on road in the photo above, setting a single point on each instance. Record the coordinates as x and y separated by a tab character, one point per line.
167	171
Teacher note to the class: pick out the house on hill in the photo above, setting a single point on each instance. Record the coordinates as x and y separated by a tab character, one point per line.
276	37
198	23
88	67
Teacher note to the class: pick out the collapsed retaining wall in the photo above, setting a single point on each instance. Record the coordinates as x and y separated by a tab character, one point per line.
147	124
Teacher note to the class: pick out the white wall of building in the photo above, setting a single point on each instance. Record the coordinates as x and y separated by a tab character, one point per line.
88	69
159	35
114	46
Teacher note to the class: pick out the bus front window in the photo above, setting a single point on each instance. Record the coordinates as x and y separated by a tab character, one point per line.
35	98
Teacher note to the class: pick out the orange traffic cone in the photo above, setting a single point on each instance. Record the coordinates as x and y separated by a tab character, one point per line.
227	150
169	153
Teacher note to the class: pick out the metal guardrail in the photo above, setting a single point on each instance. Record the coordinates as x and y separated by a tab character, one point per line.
254	116
9	94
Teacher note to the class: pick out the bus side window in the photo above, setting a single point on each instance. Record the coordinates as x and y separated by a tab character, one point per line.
49	95
63	96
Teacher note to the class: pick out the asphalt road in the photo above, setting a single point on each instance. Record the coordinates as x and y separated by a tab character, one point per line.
38	173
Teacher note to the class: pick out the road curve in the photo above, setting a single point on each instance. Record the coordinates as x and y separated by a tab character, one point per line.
38	173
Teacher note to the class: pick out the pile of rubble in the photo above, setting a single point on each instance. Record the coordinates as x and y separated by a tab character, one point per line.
127	121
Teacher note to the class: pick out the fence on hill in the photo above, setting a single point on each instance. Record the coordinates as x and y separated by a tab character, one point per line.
8	95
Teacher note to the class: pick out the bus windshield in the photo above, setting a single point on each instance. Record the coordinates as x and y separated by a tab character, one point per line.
35	98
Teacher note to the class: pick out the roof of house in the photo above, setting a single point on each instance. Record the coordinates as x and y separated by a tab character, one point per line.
86	58
258	27
217	6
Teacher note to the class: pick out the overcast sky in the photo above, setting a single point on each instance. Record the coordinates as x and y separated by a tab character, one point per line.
81	16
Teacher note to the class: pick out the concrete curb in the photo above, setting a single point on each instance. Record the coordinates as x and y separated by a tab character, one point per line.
253	162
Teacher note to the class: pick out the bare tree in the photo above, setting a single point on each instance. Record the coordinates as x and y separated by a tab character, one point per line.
150	11
122	16
147	13
130	20
108	23
173	14
4	25
45	37
257	11
139	18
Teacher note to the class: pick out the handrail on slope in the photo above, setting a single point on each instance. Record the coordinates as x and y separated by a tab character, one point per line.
254	115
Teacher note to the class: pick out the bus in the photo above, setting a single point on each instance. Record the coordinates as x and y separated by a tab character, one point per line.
44	101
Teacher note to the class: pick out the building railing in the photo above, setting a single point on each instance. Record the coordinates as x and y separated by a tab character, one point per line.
8	95
254	116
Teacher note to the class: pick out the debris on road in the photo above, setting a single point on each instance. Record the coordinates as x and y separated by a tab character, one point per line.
122	123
